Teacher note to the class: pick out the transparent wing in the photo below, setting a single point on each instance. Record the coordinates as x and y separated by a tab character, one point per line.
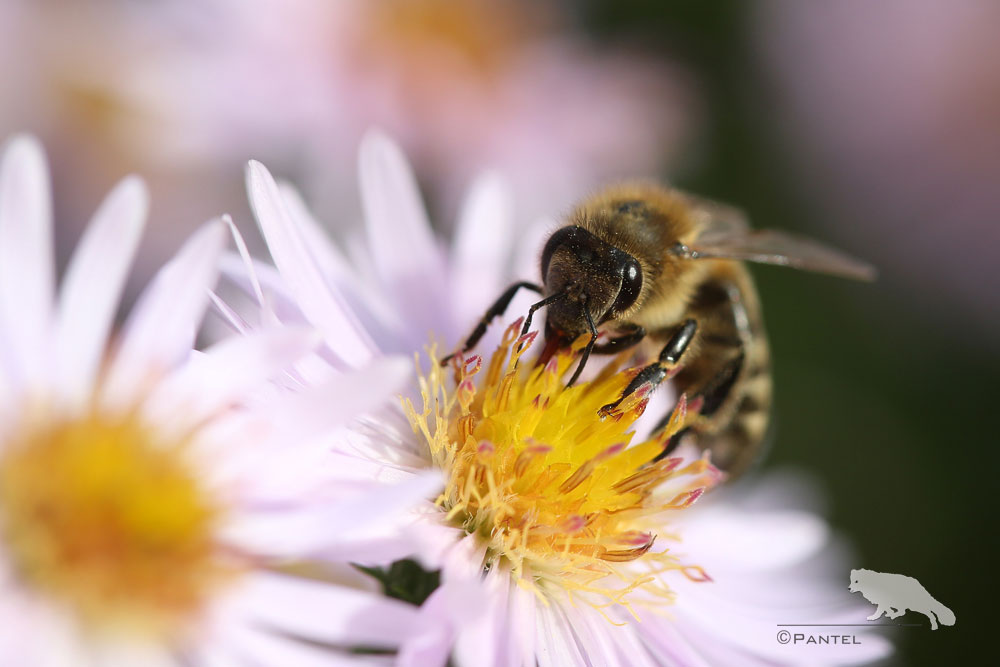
768	246
715	218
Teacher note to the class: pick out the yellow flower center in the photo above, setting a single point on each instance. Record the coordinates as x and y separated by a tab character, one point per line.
105	517
558	493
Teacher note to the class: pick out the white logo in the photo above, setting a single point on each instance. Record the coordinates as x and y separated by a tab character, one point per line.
894	594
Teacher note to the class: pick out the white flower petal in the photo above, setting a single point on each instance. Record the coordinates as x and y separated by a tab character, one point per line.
252	646
481	249
403	247
34	633
331	528
324	612
132	653
328	256
673	645
556	644
212	655
229	315
318	299
340	400
267	314
608	644
443	615
368	303
728	538
523	616
27	273
494	637
211	381
749	628
93	285
163	324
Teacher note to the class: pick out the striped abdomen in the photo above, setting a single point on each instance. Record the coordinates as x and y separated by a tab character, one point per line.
730	368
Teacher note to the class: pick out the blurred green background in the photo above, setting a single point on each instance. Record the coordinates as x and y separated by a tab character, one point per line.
887	398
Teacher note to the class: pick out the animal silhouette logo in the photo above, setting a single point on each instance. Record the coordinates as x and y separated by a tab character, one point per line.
894	594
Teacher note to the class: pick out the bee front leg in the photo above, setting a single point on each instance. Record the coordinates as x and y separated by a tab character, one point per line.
498	308
657	372
632	335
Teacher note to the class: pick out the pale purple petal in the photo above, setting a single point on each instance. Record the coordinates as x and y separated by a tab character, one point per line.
480	639
330	528
456	604
27	273
404	250
212	654
369	303
726	537
135	653
266	313
259	647
93	285
607	644
318	299
523	613
432	646
340	400
162	326
327	613
328	256
481	249
674	647
247	273
224	373
34	633
229	315
750	627
556	644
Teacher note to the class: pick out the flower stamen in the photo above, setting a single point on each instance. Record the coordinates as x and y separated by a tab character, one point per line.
557	492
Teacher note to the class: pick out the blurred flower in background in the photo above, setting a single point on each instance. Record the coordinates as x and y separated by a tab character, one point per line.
184	92
891	111
156	502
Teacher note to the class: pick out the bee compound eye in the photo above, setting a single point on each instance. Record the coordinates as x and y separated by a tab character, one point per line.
558	239
631	286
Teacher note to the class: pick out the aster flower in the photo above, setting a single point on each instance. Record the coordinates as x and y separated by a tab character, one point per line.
561	537
148	515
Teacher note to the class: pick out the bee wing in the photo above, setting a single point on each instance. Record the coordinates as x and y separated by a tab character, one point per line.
768	246
716	218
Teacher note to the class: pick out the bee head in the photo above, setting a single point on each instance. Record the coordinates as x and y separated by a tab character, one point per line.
593	275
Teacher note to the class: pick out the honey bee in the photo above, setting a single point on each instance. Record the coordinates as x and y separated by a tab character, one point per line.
653	265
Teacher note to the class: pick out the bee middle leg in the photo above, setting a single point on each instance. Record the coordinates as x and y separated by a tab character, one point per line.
657	372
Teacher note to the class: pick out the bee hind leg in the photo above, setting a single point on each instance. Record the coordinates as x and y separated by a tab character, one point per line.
659	370
712	397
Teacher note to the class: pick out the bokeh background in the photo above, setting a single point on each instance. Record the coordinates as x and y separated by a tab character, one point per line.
875	126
